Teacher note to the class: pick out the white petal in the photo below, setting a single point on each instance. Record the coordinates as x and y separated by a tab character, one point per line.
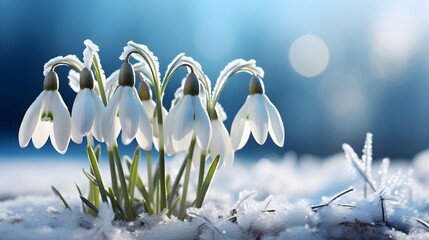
275	126
258	119
182	125
144	133
129	112
155	128
221	144
29	122
168	135
196	156
110	122
75	136
96	130
83	112
149	108
62	124
125	139
41	133
203	128
240	129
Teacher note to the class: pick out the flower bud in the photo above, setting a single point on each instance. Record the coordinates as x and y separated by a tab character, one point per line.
86	79
51	81
126	75
256	86
144	91
192	86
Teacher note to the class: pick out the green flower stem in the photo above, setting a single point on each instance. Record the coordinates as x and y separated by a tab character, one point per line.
182	209
130	214
149	173
201	173
163	192
115	187
99	80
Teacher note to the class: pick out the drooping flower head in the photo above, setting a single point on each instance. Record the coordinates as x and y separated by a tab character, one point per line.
87	108
188	119
258	116
149	105
47	116
220	143
125	111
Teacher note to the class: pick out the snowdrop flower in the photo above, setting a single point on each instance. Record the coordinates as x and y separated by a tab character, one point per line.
125	111
47	116
149	105
259	116
188	119
87	109
220	143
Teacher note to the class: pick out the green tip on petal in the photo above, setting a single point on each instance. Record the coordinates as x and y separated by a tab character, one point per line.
86	79
51	81
126	75
256	86
192	86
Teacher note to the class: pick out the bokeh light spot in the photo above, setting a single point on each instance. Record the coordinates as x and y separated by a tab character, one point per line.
309	55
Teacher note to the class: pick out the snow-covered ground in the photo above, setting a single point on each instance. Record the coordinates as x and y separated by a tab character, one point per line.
265	199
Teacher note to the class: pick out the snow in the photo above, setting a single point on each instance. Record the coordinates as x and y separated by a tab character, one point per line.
279	203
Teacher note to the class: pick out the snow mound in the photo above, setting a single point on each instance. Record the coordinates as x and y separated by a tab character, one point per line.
290	198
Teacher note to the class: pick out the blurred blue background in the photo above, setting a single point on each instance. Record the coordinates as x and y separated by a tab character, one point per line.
334	69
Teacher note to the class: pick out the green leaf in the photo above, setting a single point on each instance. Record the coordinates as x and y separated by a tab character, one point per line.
134	173
175	187
95	168
80	194
130	213
60	197
89	204
142	188
207	181
90	177
173	206
114	179
115	205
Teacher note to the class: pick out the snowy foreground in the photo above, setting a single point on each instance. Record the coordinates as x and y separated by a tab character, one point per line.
286	198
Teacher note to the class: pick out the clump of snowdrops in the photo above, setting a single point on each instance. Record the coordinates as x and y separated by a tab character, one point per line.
105	107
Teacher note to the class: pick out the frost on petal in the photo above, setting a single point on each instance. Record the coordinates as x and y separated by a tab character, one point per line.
240	129
110	122
182	125
144	133
74	80
96	130
203	128
29	122
258	119
83	112
62	124
275	125
89	52
129	112
70	60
